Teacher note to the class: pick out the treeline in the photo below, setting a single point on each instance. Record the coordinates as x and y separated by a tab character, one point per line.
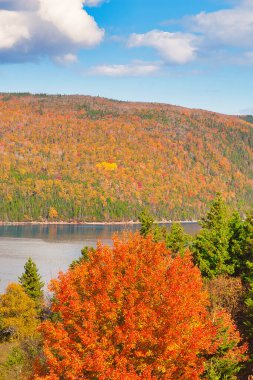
159	304
93	159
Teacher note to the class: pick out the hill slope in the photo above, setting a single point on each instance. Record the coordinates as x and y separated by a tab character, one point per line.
248	118
94	159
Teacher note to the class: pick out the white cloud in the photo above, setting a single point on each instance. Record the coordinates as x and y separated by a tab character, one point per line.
69	18
179	48
134	69
33	28
33	4
233	27
12	29
225	35
93	3
66	59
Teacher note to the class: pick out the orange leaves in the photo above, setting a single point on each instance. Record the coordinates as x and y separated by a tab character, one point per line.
82	150
52	213
130	312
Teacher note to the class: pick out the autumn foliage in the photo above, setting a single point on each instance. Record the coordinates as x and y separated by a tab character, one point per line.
93	159
129	312
18	315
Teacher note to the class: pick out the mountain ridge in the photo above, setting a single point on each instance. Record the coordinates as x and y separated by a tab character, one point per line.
96	159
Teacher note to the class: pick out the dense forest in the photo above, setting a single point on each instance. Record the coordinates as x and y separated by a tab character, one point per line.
157	305
79	158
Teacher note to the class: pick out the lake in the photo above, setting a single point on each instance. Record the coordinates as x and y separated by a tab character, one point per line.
53	246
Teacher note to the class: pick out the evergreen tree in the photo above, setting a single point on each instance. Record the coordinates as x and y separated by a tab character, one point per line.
147	221
236	245
211	245
32	283
159	233
177	240
248	318
248	249
248	274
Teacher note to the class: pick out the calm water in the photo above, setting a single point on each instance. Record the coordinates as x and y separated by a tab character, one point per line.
52	247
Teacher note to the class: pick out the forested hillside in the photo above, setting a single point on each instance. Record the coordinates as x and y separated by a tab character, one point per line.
248	118
92	159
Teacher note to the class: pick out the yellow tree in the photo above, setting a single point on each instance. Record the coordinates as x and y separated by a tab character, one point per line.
18	316
52	213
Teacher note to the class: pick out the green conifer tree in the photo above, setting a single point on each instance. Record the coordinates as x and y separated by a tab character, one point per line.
236	246
32	283
248	317
210	246
147	221
177	240
248	249
247	275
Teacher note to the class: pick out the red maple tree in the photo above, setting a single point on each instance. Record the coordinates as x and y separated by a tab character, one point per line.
129	312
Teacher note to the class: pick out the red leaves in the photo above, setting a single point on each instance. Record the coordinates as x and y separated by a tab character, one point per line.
131	312
64	155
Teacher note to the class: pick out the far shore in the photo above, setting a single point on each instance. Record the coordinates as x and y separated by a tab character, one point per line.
131	222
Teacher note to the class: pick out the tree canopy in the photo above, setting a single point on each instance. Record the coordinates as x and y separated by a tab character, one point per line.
18	315
92	159
128	311
132	312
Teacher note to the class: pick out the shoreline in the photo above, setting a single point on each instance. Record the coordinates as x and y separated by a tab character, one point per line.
131	222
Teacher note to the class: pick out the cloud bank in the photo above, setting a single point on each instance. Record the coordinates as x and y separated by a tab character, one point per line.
30	29
177	48
225	35
228	27
133	69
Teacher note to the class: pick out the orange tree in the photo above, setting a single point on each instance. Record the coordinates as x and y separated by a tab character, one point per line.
129	312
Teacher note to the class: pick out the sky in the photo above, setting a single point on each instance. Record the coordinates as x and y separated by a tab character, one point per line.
192	53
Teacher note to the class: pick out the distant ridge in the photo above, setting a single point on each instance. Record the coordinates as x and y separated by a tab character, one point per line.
248	118
83	158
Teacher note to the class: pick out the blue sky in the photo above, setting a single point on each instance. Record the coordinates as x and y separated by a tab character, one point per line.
197	54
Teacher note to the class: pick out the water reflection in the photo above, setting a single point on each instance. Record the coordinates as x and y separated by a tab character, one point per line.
64	232
52	247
